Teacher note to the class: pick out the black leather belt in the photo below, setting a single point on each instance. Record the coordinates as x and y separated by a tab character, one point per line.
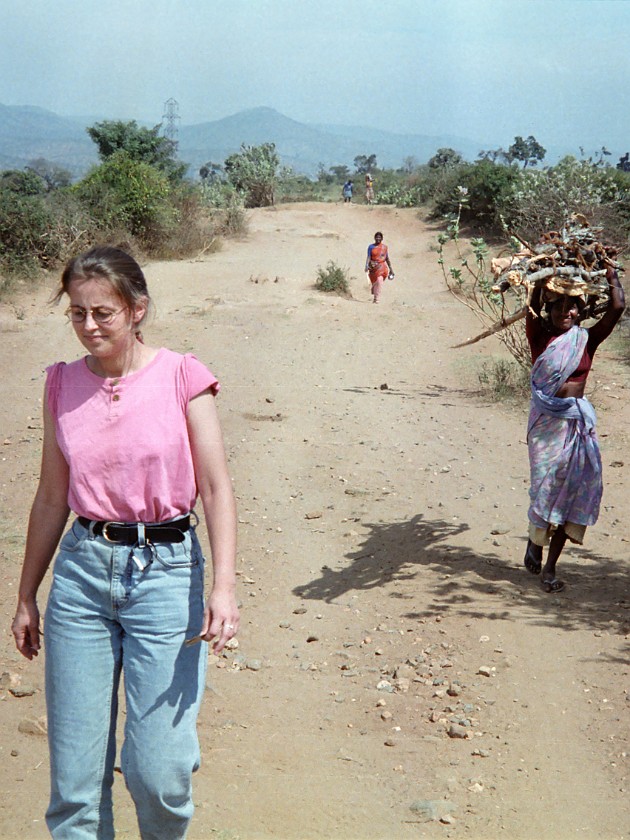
131	533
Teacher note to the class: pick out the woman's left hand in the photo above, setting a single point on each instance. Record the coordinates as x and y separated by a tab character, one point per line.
221	619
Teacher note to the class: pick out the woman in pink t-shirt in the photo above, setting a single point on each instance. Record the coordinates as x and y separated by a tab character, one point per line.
131	440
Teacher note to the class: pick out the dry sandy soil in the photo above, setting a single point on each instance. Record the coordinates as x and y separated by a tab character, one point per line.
382	510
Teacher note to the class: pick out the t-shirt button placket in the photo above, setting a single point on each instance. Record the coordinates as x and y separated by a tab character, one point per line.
115	393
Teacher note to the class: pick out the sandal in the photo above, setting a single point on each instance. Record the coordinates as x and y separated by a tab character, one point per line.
553	585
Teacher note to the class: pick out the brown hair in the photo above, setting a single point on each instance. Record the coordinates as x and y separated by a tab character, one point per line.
112	264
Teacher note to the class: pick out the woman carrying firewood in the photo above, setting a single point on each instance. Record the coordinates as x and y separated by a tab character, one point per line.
565	464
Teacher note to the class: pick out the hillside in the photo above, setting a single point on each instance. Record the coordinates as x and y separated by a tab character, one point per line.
27	132
304	147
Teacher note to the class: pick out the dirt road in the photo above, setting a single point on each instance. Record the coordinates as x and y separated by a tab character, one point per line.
382	510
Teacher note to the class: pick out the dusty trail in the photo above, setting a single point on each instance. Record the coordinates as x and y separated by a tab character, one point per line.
381	539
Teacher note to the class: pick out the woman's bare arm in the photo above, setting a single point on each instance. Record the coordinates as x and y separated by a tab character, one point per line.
217	498
47	520
616	305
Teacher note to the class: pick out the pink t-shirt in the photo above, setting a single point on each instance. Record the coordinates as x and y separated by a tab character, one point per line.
126	440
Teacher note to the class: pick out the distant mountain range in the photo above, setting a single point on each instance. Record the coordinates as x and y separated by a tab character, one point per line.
303	147
28	132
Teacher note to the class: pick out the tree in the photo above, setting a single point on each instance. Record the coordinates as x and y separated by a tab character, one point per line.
493	155
254	172
210	172
325	176
529	151
340	173
597	159
445	158
53	176
144	145
410	164
624	163
364	163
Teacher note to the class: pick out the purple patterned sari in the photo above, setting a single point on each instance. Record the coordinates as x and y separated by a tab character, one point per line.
565	464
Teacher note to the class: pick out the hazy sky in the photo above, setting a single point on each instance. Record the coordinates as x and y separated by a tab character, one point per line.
483	69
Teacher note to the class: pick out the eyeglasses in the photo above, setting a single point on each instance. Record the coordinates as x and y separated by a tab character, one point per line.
100	314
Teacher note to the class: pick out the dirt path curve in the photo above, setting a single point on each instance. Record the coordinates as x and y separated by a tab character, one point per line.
382	508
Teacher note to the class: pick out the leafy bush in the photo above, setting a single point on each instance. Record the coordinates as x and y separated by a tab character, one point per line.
295	187
489	185
541	201
333	278
27	239
253	172
403	196
127	193
22	182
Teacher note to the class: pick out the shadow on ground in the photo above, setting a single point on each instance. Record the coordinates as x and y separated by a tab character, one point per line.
459	580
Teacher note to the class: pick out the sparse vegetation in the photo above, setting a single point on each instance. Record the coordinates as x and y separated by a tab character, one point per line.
504	379
333	278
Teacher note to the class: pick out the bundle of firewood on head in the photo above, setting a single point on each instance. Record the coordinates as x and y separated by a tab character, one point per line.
571	261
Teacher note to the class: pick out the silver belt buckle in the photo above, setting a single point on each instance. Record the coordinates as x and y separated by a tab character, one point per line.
106	535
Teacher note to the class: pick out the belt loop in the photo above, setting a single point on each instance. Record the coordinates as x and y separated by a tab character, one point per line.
141	535
91	528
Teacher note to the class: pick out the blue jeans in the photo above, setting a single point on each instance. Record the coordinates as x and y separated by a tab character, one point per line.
113	609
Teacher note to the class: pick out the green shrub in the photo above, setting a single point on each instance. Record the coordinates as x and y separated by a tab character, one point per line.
295	187
541	201
253	172
333	278
27	233
22	182
127	193
488	186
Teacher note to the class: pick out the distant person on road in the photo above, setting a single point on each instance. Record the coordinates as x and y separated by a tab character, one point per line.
377	265
565	464
369	189
131	439
347	192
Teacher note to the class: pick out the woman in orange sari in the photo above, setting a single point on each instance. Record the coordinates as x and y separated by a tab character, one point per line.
377	265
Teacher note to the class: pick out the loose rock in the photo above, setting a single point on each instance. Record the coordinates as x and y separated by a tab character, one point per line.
456	730
33	726
433	810
22	691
